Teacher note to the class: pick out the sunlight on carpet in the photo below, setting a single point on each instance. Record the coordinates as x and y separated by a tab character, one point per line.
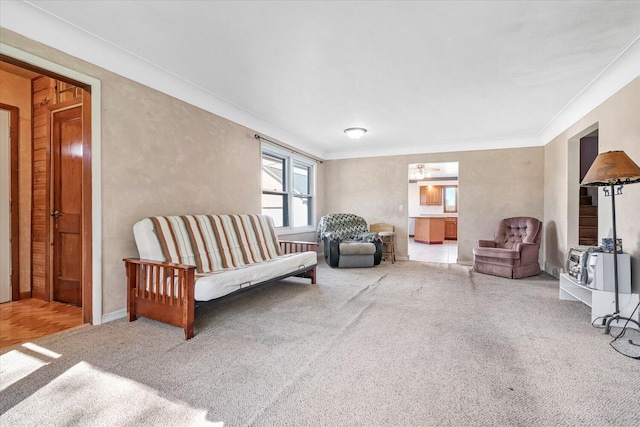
100	393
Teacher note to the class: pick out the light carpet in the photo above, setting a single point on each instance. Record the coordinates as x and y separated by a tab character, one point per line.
408	344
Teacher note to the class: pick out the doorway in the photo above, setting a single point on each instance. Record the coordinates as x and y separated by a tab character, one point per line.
573	179
433	212
6	237
59	233
588	210
9	206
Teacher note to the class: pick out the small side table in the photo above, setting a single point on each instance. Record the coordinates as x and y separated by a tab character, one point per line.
388	245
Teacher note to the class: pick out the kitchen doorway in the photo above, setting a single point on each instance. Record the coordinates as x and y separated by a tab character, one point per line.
433	212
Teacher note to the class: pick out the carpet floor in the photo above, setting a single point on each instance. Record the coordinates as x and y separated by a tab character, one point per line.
406	344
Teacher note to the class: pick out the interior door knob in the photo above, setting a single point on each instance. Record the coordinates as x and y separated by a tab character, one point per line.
55	214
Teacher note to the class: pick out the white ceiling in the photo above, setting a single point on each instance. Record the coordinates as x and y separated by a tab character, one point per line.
420	76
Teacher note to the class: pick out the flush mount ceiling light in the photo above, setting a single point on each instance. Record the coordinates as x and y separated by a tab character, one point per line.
355	133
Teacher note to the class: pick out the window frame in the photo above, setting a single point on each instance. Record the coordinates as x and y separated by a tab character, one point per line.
444	199
290	161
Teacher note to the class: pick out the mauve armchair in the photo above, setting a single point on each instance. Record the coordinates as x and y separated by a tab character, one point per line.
513	252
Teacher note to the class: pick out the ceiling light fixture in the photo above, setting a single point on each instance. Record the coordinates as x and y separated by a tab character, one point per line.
422	172
355	133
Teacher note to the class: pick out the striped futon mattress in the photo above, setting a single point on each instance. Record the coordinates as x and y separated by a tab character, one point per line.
229	252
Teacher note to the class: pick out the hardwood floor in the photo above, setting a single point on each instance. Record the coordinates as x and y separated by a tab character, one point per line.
25	320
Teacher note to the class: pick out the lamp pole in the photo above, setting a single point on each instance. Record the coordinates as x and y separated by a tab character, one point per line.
609	318
615	253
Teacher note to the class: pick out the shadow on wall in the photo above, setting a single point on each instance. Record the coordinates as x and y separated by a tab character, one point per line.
552	253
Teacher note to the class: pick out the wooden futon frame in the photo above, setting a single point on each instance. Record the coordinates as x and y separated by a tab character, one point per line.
164	291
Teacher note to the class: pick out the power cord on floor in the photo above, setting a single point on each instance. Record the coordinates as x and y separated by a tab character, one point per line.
596	326
622	333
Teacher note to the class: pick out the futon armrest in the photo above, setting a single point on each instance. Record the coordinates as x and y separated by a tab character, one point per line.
161	291
291	247
486	243
159	263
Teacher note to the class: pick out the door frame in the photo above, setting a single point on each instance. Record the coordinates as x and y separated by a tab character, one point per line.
14	220
92	275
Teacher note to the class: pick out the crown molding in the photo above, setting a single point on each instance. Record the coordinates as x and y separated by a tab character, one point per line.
36	24
437	147
620	72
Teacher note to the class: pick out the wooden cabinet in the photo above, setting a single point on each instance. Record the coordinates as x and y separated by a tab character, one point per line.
431	195
429	230
451	228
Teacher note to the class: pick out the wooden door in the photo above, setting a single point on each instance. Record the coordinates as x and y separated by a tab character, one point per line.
66	214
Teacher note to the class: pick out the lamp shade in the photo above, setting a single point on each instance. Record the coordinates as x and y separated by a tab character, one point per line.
611	168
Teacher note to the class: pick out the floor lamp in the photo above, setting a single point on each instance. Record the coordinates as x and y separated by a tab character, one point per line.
609	170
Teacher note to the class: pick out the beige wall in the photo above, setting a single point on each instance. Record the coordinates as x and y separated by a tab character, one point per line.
16	91
160	156
163	156
618	122
493	184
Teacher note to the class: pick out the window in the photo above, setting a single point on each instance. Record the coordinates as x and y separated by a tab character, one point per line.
287	189
451	199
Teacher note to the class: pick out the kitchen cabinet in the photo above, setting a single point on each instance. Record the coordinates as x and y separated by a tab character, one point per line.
431	195
451	228
429	230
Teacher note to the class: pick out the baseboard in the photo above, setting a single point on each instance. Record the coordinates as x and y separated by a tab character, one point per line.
114	315
552	269
402	258
25	295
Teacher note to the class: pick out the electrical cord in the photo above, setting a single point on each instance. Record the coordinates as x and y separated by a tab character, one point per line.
596	326
622	332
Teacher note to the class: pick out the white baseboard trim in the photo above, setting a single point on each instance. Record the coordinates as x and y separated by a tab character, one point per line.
553	269
402	258
114	315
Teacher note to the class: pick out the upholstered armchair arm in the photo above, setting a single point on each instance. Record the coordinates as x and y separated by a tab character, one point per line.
528	251
367	237
331	249
331	236
486	243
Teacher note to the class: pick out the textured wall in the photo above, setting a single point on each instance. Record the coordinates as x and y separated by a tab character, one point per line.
618	121
16	91
159	156
493	184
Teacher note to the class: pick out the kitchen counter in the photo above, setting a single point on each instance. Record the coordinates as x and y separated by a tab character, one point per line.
448	215
429	229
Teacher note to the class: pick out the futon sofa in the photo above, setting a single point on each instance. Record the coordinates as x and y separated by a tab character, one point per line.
191	258
348	242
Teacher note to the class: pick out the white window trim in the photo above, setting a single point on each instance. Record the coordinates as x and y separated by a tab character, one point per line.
292	158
